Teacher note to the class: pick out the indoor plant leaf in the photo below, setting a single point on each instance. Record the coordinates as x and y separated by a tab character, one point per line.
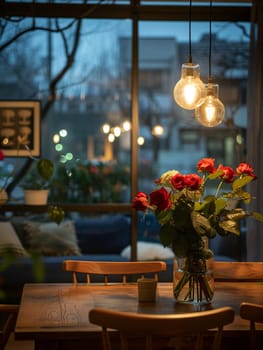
56	213
45	168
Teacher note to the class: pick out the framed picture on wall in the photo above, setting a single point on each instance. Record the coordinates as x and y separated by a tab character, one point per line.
20	128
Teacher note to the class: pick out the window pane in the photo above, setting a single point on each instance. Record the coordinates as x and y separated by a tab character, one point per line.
74	70
182	141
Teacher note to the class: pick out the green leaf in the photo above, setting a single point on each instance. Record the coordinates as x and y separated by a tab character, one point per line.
166	235
220	204
164	216
56	213
237	214
45	168
209	199
246	196
241	182
215	175
201	224
198	206
230	226
207	207
257	216
239	194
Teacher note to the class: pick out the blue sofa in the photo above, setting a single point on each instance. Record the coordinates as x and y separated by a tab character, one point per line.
98	239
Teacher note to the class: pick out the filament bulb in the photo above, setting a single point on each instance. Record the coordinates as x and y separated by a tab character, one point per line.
189	90
211	111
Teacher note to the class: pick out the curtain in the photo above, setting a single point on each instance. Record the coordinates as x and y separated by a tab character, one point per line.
254	236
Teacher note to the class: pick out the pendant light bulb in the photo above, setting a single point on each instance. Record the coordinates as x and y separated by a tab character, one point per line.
212	111
189	91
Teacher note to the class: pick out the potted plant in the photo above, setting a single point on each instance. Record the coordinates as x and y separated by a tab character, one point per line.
35	184
37	181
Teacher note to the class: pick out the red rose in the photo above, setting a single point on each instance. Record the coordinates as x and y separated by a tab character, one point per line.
140	202
228	173
160	198
246	169
2	156
206	165
94	169
192	181
178	181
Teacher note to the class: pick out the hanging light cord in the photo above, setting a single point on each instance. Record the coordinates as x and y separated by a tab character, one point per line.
210	42
190	31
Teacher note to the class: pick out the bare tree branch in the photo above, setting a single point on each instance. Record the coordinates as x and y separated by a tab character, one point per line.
52	96
34	28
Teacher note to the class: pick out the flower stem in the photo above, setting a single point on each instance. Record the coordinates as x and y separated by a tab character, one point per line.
218	188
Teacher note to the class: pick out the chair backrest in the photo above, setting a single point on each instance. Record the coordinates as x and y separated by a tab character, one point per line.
8	317
253	313
149	327
110	268
238	271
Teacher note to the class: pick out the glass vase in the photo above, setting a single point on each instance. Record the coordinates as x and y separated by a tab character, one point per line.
193	278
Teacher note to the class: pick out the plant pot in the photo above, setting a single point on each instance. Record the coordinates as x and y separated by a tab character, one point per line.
36	197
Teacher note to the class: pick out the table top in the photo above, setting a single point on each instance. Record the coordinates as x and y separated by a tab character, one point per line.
57	308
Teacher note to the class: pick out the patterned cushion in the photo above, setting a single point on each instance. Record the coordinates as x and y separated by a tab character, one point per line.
9	241
51	239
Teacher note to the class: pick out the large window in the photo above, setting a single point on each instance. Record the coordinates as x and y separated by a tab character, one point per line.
89	74
73	68
182	140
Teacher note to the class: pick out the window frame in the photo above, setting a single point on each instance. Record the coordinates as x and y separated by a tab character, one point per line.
136	11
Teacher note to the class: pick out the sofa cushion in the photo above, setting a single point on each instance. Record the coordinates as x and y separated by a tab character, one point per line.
18	222
9	241
51	239
149	251
107	234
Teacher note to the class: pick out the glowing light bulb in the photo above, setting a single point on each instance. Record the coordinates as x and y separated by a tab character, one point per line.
106	128
189	91
140	140
157	130
126	125
212	111
117	131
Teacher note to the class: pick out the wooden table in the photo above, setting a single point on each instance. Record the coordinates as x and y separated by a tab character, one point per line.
55	316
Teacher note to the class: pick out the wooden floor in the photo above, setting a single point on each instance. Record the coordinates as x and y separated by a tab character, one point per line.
19	344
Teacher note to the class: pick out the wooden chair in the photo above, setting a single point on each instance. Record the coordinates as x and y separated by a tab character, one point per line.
9	313
253	313
238	271
110	268
150	326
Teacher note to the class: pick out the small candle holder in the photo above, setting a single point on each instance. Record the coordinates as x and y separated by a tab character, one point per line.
147	289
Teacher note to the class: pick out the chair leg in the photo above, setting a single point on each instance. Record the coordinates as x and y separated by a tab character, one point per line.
106	340
252	335
7	330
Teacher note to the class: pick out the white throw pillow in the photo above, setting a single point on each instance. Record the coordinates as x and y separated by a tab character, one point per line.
9	241
149	251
